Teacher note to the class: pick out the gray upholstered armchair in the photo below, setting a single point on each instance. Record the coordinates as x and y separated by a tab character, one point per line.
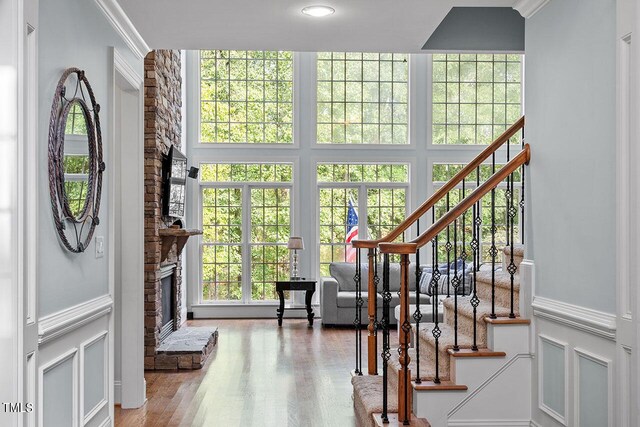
338	292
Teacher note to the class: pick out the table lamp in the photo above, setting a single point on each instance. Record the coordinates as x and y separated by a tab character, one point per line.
295	243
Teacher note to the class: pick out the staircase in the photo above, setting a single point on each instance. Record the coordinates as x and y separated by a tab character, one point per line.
473	368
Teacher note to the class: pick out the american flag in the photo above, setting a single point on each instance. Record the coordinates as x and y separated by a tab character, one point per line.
352	233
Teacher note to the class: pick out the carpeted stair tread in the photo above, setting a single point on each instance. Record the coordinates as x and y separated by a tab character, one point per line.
446	340
367	393
518	250
427	368
502	279
466	309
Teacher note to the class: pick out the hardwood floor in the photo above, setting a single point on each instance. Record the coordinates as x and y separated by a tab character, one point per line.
258	375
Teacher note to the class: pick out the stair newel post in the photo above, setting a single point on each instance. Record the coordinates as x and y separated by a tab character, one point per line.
493	251
435	285
386	347
404	377
358	320
456	284
511	268
417	315
372	308
448	249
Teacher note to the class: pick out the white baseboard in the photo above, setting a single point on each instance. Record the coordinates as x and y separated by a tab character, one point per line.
210	311
117	392
490	423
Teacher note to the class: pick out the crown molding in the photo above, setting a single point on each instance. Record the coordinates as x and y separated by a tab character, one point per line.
125	28
528	8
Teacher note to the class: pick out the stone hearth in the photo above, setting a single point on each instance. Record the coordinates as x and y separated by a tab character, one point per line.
188	348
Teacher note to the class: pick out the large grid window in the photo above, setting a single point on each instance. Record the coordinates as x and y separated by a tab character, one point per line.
246	219
443	173
362	98
246	96
475	97
341	187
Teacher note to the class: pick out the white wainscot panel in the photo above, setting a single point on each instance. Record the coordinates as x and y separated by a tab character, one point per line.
552	378
59	393
94	371
593	390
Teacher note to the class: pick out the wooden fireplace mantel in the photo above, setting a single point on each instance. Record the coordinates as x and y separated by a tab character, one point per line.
179	236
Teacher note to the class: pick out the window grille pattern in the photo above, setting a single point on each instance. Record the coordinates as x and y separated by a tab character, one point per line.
257	240
386	208
475	97
222	244
246	172
362	98
357	172
246	96
270	231
334	210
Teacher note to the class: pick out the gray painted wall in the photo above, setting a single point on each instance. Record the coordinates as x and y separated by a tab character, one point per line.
73	33
570	93
479	29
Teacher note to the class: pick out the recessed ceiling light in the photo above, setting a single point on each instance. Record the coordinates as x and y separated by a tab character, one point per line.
318	11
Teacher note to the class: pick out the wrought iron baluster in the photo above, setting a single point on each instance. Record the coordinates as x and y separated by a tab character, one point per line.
417	315
448	249
512	266
476	246
372	310
456	284
386	352
522	196
358	320
493	251
463	254
435	284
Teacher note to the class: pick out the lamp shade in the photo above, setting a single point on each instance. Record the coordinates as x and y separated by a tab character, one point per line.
295	243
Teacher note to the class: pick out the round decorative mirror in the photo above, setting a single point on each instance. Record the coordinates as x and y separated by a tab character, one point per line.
75	160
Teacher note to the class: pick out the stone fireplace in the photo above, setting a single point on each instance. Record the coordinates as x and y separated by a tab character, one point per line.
163	264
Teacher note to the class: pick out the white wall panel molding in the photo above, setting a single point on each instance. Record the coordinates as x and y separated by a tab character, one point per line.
597	391
71	354
528	8
57	324
124	27
577	317
88	414
545	364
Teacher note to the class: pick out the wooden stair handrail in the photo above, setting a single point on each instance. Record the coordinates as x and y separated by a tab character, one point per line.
411	247
442	191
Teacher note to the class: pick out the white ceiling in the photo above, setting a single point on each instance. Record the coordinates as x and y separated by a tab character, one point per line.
357	25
